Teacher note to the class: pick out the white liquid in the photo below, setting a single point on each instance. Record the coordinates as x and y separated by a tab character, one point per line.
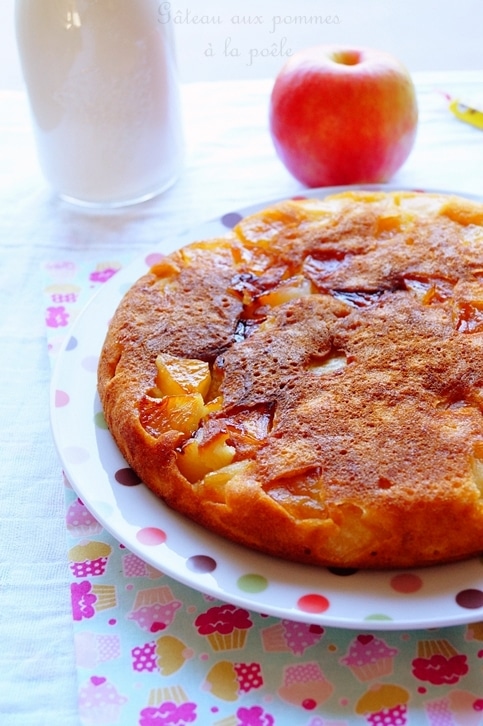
102	84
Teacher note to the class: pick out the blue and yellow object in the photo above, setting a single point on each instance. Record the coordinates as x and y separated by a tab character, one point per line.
467	112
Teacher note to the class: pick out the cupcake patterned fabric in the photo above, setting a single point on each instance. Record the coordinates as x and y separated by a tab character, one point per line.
152	652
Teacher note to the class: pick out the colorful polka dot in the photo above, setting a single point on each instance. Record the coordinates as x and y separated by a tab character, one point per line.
342	571
61	399
151	536
201	564
100	421
377	616
309	704
231	219
406	583
313	603
252	583
470	599
76	454
154	258
89	363
72	343
127	477
103	509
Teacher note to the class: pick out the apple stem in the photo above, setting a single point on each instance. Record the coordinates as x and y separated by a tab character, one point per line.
347	57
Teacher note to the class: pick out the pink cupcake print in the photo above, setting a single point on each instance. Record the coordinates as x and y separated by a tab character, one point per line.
88	599
369	657
144	658
228	681
62	270
167	655
225	627
89	559
305	685
63	292
104	271
248	716
134	566
288	636
154	609
439	663
91	649
80	522
458	708
100	704
384	705
168	707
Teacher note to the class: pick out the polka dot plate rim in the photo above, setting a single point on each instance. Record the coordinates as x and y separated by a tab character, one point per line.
391	600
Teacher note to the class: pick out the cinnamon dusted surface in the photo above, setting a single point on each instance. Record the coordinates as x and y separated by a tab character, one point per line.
343	423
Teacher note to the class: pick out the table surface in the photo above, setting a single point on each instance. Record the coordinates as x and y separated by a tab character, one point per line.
230	164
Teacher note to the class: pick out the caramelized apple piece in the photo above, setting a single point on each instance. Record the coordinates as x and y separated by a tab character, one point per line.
289	290
165	268
214	482
470	317
172	413
198	459
177	376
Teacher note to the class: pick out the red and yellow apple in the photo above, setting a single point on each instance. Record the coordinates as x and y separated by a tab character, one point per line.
341	115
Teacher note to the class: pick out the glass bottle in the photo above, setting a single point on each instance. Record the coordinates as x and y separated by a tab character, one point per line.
103	89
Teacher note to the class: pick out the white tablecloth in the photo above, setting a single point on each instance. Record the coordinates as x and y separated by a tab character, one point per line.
230	164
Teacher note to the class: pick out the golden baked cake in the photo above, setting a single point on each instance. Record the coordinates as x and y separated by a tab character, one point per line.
311	384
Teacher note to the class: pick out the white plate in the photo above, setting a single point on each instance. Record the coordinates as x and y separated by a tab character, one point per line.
431	597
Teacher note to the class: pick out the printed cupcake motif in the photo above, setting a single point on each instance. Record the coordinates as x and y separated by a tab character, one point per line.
89	559
228	681
288	636
80	522
439	663
474	631
248	716
63	292
144	658
305	685
154	609
61	270
169	707
171	654
94	648
384	705
369	657
225	627
166	655
134	566
104	271
100	704
88	599
458	708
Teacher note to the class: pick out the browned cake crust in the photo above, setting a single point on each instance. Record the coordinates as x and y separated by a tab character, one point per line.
339	419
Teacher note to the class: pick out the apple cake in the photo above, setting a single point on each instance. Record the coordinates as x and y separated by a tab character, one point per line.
310	385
